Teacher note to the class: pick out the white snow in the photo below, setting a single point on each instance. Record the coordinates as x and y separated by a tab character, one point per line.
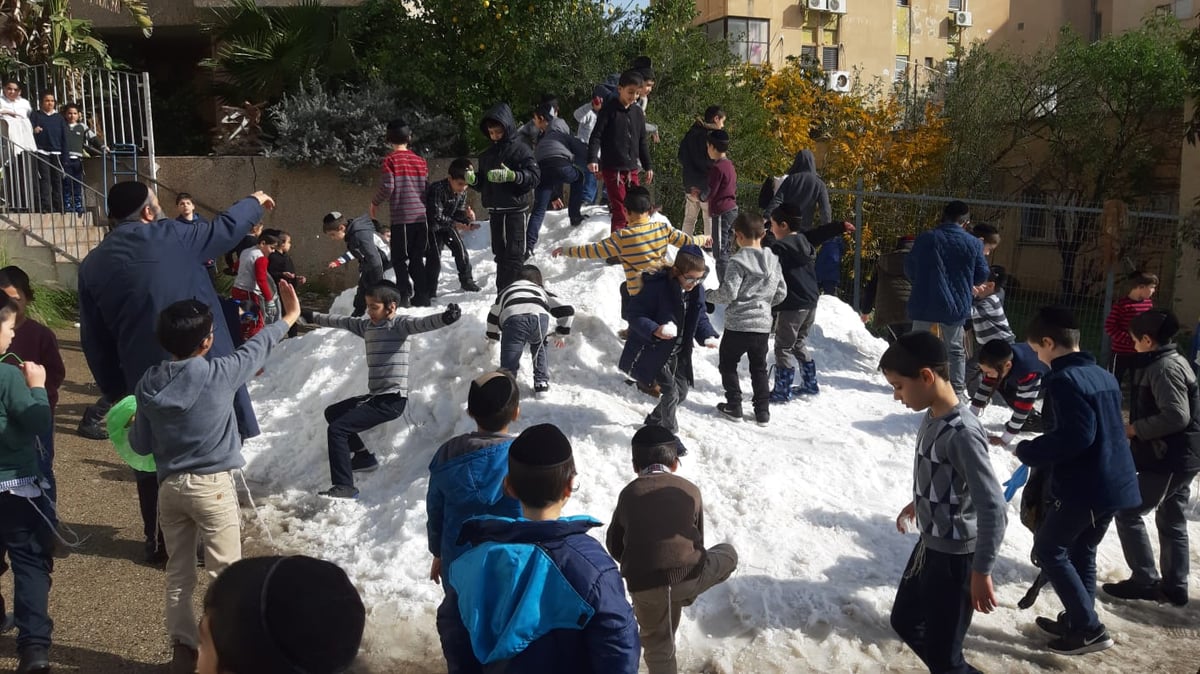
810	501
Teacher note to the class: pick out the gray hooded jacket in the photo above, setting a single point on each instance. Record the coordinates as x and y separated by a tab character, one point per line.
753	284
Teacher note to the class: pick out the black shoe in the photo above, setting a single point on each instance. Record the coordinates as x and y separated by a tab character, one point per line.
419	301
1079	643
405	301
1128	589
576	223
1176	596
731	411
612	260
1056	627
156	553
709	307
762	417
469	285
33	660
363	462
92	426
340	491
540	390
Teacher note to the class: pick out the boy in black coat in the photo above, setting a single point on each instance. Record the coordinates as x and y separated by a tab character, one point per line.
507	173
618	146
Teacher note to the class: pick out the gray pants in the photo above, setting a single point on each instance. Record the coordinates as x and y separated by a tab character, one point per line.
517	331
658	610
791	330
952	337
674	388
722	234
1167	493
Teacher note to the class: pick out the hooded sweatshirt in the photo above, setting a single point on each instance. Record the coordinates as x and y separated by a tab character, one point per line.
183	413
557	147
804	188
511	153
753	284
796	260
618	141
693	157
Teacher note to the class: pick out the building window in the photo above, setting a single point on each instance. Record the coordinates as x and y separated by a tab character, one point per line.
957	5
901	74
808	55
749	39
829	58
902	3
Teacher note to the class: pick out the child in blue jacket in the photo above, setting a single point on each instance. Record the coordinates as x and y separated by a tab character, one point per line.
466	476
538	594
1093	477
664	319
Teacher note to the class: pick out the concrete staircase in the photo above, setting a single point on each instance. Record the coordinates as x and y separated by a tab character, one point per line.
49	245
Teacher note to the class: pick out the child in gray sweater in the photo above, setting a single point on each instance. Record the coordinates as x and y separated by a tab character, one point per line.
185	420
753	284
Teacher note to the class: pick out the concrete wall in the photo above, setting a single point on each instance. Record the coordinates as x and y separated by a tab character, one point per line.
303	196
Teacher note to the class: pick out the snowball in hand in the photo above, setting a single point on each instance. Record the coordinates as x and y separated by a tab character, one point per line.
669	330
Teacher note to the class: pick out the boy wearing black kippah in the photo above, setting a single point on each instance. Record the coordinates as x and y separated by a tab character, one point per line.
538	594
957	507
657	535
1093	477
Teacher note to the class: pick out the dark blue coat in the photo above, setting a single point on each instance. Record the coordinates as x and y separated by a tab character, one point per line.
514	594
136	272
661	302
945	265
829	260
1093	466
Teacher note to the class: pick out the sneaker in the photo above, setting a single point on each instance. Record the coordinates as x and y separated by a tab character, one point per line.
762	417
1079	643
363	462
92	426
731	411
340	491
1176	596
183	659
1128	589
1056	627
34	660
470	285
540	390
155	553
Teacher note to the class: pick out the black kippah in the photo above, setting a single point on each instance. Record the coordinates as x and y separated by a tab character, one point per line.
718	136
489	394
126	199
925	348
648	436
541	446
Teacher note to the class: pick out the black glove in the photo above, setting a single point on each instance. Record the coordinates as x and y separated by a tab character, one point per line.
451	314
306	315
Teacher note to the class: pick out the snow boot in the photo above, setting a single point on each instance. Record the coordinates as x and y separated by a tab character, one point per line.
468	284
808	379
784	376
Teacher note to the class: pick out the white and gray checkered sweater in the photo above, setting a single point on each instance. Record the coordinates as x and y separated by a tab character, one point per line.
960	508
387	346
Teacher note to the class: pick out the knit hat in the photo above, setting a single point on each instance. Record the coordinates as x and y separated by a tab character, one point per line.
330	217
650	436
277	615
490	393
126	199
541	446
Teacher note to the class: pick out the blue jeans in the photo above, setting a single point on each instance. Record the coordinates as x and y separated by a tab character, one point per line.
553	178
517	331
350	417
952	336
589	187
1065	546
722	234
30	546
73	184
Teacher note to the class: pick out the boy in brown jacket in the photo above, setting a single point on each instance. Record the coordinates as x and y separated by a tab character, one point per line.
662	557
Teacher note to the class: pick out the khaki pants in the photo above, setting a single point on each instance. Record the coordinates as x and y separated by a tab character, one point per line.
190	505
691	208
658	610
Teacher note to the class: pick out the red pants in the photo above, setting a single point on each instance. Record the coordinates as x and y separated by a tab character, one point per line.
615	183
252	318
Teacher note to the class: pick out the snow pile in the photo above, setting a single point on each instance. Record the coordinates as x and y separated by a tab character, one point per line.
809	502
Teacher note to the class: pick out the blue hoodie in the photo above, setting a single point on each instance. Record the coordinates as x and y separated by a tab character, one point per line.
538	597
466	479
1093	465
945	265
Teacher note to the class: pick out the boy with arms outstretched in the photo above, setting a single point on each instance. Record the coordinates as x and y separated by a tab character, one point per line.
957	506
385	336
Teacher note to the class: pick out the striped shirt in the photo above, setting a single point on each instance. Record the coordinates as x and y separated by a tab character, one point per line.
1028	386
988	320
402	184
1116	326
960	509
525	297
641	246
387	346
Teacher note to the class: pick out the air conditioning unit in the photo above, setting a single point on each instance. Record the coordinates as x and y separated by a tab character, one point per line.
963	19
837	6
818	5
838	80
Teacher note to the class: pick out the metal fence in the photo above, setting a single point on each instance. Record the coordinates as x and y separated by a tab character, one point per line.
1071	254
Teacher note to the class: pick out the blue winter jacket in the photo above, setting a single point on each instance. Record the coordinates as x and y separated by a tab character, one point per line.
137	271
466	479
945	265
661	301
829	260
1086	445
538	597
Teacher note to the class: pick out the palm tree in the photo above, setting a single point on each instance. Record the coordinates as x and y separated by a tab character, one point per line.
37	32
